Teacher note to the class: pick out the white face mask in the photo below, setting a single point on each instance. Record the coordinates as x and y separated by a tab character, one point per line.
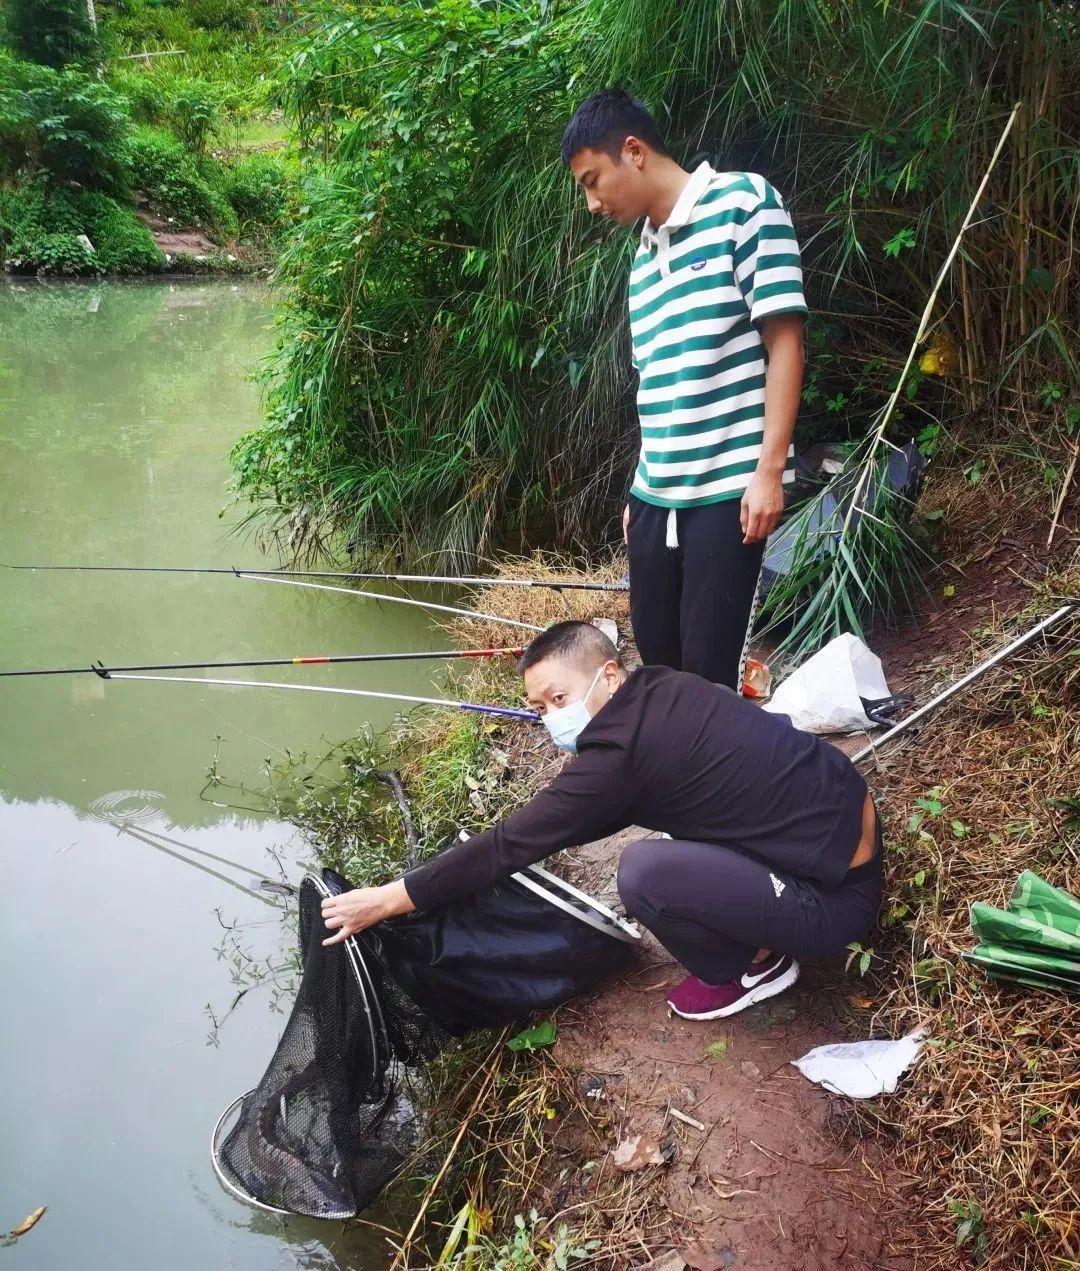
566	722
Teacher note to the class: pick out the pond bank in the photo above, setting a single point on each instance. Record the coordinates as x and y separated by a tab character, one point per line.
783	1177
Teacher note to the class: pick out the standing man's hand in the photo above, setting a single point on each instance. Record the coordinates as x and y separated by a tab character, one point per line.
626	524
763	502
762	506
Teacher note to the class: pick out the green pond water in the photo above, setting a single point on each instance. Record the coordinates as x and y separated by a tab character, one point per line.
118	405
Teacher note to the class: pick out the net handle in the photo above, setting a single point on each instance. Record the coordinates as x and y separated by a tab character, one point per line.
622	931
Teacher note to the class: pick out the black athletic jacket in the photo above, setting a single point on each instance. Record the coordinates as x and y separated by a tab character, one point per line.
673	752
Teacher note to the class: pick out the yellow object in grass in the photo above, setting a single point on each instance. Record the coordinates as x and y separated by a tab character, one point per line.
941	357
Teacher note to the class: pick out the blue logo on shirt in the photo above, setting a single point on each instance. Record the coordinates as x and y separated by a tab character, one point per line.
698	264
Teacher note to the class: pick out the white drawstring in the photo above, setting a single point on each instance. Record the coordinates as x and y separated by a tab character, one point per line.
671	538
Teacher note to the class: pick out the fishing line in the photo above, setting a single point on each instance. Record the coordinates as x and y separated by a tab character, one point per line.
212	856
504	711
205	869
396	600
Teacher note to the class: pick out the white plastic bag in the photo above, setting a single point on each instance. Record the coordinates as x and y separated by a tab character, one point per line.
823	695
861	1069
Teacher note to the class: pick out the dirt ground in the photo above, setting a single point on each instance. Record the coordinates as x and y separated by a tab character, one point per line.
175	242
771	1183
775	1181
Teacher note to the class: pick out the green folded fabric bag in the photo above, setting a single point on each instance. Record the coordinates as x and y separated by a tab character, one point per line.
1036	941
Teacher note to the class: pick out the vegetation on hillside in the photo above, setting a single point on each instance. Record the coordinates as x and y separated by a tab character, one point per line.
146	110
452	364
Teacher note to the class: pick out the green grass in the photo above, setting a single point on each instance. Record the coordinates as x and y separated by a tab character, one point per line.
452	364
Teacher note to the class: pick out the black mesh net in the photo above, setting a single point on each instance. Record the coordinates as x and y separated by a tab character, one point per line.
334	1117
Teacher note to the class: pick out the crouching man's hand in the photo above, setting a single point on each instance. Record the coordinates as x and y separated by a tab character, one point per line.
352	911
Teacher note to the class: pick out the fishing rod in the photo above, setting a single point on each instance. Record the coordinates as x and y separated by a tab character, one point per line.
329	659
446	579
1006	651
508	712
397	600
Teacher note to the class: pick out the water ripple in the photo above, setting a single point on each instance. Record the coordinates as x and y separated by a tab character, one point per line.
128	806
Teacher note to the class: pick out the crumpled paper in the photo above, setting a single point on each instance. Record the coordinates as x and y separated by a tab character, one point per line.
861	1070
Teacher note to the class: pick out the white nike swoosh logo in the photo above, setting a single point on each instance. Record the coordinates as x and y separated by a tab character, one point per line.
748	981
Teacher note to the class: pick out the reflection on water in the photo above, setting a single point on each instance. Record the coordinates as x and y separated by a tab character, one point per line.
140	953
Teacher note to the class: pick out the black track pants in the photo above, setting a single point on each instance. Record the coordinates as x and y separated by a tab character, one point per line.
714	908
691	605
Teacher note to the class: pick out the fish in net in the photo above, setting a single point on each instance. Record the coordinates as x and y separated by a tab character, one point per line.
336	1114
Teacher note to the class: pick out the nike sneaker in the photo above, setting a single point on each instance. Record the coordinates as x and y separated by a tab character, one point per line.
694	999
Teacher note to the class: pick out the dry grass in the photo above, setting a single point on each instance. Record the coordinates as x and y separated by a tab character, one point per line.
542	606
513	1134
991	1121
494	679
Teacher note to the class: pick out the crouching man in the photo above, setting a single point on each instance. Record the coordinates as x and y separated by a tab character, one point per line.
775	848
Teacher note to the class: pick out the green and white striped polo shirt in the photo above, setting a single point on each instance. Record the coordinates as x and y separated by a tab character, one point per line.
725	259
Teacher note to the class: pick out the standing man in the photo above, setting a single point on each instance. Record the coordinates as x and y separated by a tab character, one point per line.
716	316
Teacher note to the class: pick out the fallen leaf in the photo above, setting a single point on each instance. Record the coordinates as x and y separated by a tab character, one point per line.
533	1038
31	1220
636	1152
863	1003
670	1261
704	1258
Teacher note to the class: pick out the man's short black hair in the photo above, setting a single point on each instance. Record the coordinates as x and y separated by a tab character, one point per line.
578	642
604	121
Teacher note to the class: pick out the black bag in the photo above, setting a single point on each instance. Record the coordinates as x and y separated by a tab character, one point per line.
527	944
333	1120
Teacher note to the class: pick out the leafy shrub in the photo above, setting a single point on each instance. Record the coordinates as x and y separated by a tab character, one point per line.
160	167
53	33
52	254
228	15
124	244
142	90
151	26
19	218
195	112
255	186
63	121
39	225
